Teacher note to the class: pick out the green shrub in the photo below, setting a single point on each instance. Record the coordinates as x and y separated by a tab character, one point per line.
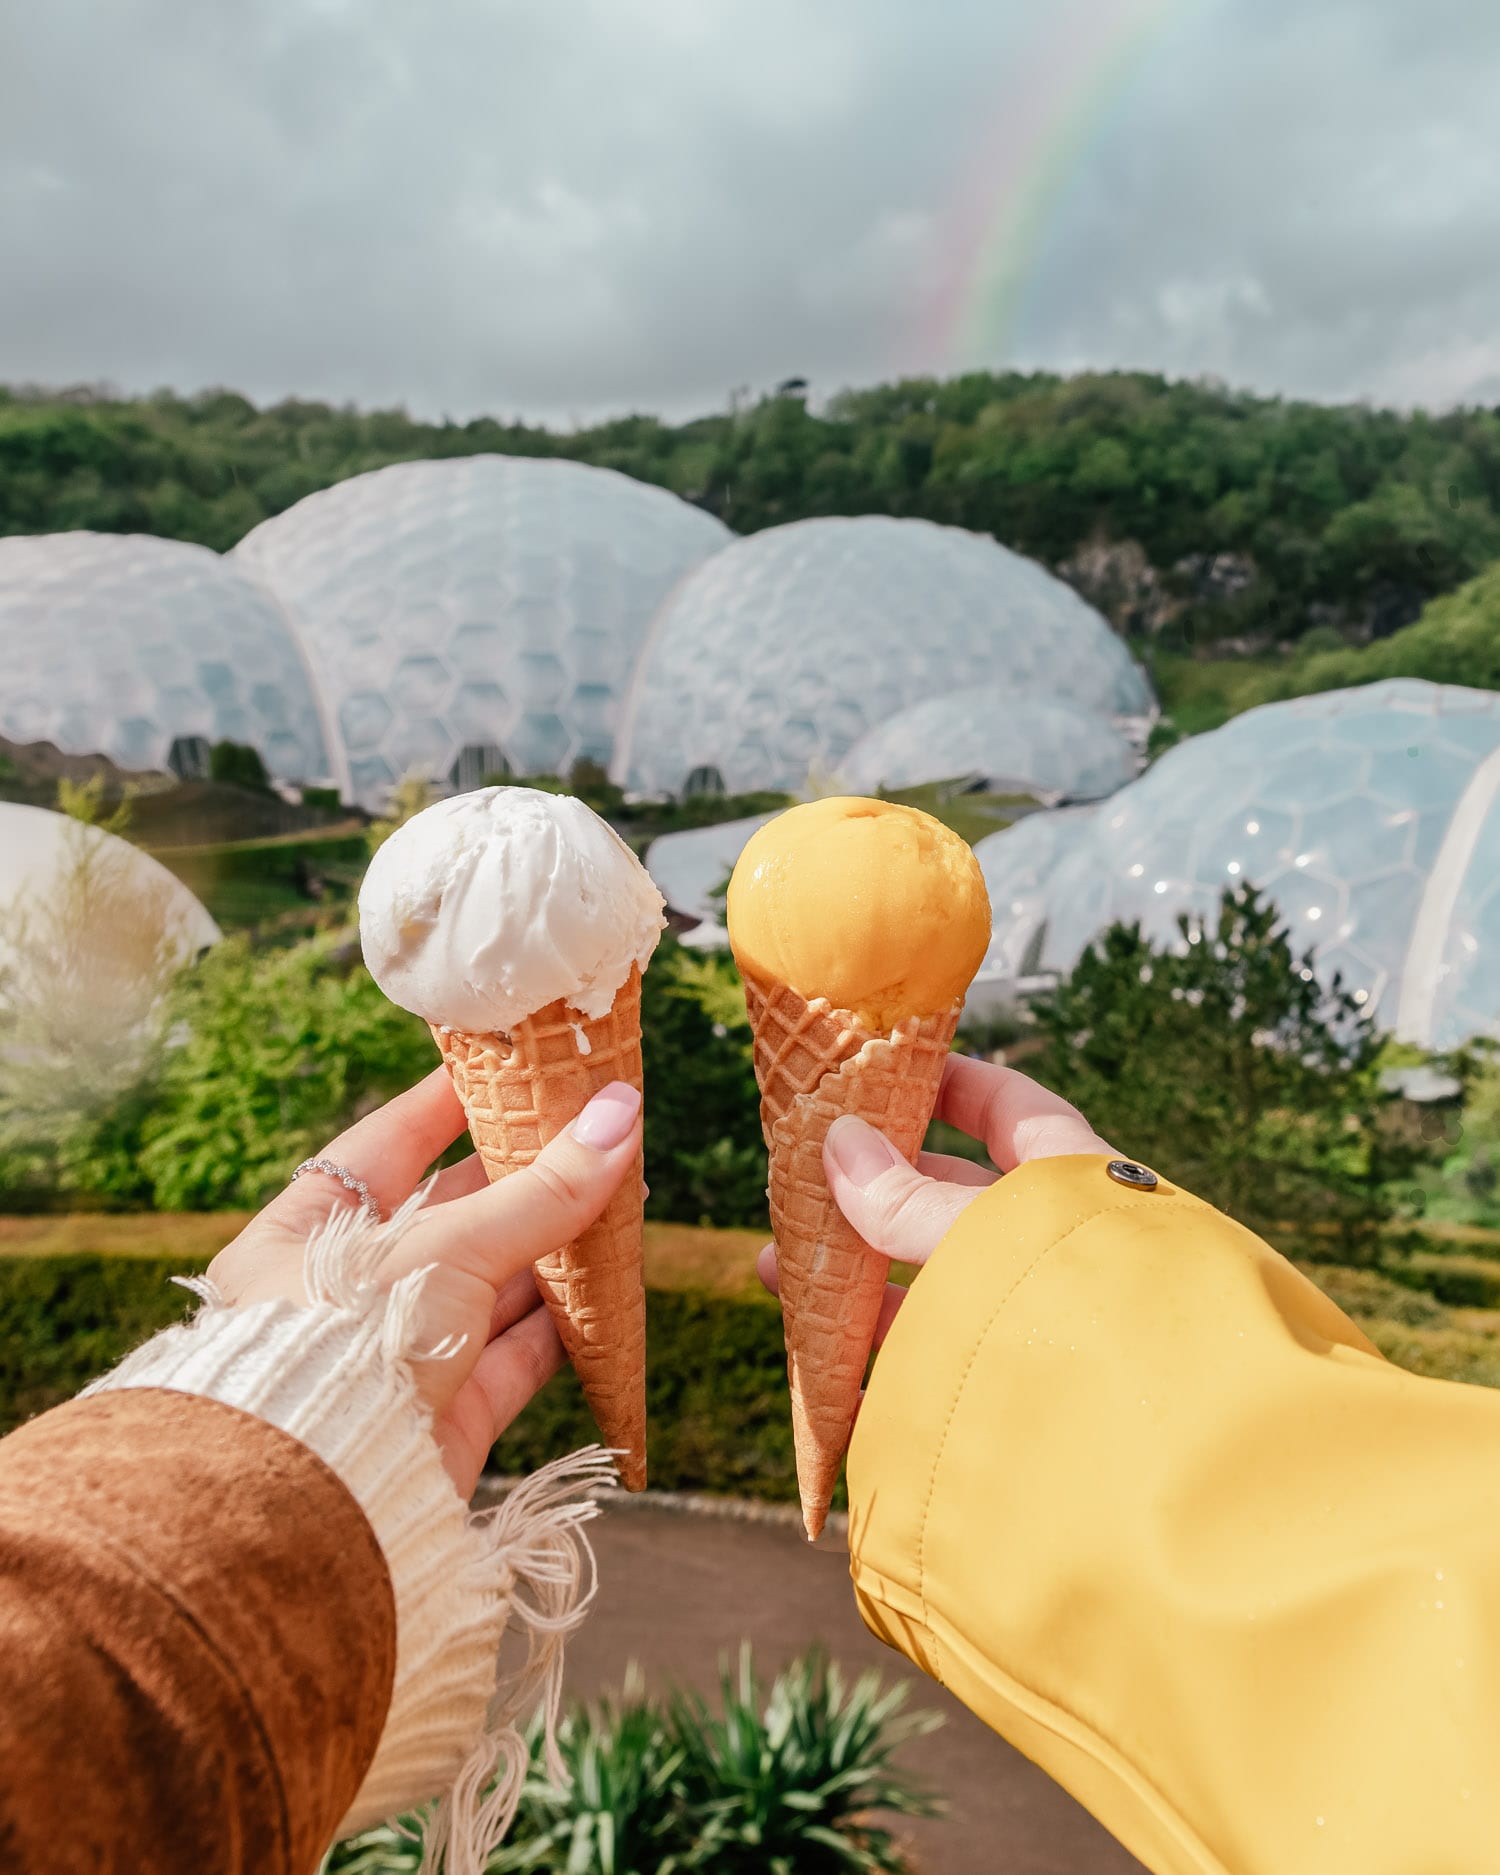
1367	1294
783	1783
246	882
238	764
705	1157
1462	1282
278	1051
788	1782
1229	1066
624	1809
716	1403
65	1320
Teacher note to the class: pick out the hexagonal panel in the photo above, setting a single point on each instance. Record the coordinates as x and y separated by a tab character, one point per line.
421	684
541	742
540	678
364	718
480	711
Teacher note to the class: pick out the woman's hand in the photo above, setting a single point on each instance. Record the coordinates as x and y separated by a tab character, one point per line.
906	1212
480	1241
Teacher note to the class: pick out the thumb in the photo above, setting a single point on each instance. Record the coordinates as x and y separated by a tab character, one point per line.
893	1206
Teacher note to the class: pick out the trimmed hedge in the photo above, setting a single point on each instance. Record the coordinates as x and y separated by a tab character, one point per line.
717	1416
1463	1282
64	1320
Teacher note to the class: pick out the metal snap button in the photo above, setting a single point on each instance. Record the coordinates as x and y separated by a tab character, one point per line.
1127	1172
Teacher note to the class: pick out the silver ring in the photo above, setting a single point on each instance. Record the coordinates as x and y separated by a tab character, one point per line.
346	1178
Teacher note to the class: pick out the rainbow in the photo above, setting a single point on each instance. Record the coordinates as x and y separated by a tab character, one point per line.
1043	128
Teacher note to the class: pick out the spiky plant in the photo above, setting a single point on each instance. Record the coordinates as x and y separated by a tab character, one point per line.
783	1783
623	1811
385	1850
787	1782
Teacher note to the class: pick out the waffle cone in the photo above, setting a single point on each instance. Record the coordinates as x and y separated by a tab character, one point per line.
813	1063
521	1090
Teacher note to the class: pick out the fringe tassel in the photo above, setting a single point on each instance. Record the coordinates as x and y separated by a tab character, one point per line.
532	1555
536	1554
527	1561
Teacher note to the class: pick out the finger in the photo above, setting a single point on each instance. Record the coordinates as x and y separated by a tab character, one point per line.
1013	1116
892	1206
895	1294
457	1181
516	1366
890	1302
389	1149
508	1374
497	1232
515	1299
957	1171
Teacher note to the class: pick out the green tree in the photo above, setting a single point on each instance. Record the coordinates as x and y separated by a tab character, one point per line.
1455	641
238	765
1229	1067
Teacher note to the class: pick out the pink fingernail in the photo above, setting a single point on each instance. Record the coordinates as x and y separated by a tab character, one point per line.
608	1117
860	1152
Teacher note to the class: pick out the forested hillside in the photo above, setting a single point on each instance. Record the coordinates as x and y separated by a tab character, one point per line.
1197	516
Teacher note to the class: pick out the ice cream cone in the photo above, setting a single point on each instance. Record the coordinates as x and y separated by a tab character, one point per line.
521	1090
813	1063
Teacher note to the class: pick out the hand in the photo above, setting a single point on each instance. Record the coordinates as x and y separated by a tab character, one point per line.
480	1240
904	1212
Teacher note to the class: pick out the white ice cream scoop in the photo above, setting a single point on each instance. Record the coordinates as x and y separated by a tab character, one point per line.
486	907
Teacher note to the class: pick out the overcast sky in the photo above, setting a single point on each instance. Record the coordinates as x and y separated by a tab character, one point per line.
561	208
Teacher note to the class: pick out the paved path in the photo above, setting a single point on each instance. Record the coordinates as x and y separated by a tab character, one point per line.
678	1590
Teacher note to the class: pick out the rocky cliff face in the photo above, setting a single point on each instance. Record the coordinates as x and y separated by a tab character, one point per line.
1117	578
1140	600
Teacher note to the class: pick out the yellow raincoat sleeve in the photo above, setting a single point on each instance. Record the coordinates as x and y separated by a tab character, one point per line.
1145	1500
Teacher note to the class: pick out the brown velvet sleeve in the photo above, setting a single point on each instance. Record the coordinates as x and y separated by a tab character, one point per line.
197	1642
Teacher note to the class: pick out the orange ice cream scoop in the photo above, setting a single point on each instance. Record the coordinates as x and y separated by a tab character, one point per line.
876	907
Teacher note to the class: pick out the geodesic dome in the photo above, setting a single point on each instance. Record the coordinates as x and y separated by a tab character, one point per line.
118	644
1034	744
689	867
39	847
1370	816
1018	864
487	609
780	652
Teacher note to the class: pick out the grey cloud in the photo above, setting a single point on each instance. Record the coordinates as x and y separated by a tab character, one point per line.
600	205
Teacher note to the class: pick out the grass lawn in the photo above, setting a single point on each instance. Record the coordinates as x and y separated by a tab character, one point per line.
971	816
1201	693
248	882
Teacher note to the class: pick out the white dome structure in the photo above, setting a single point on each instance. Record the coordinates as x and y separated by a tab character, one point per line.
1370	816
473	612
689	867
1019	864
779	653
38	849
92	931
122	645
1007	740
